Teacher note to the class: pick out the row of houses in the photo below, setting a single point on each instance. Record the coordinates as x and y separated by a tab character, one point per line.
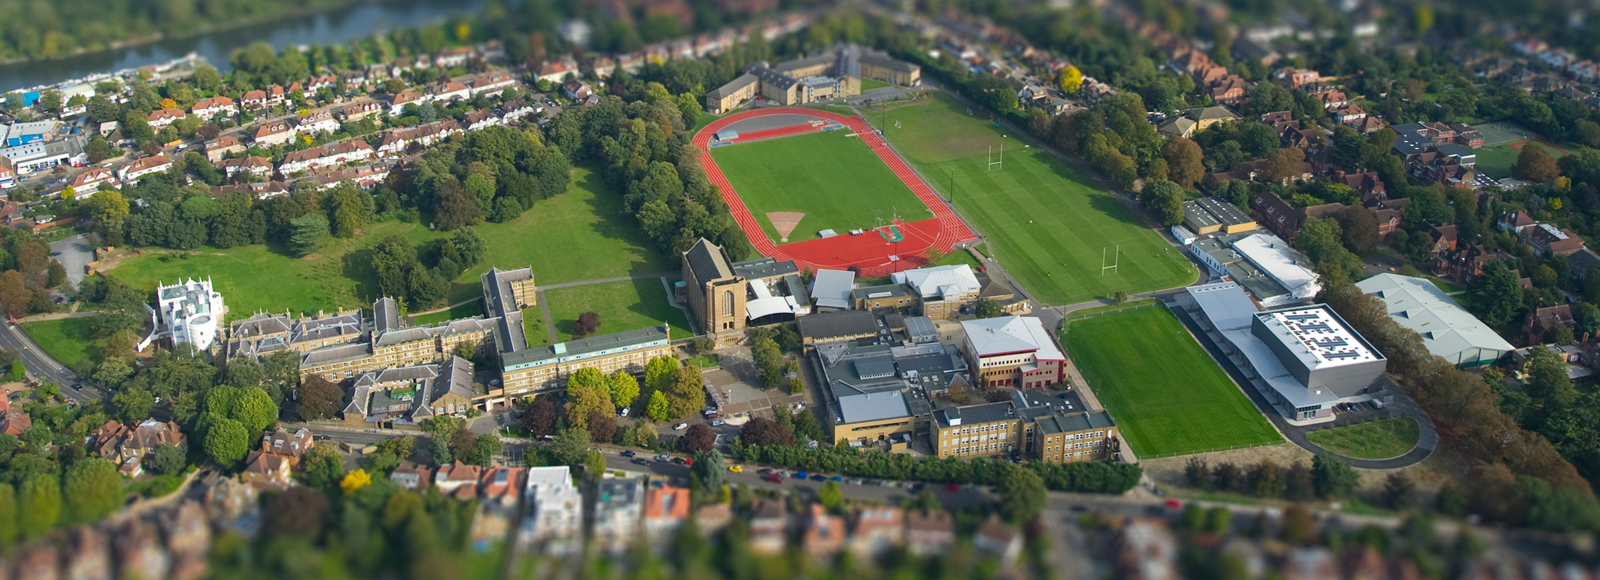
173	544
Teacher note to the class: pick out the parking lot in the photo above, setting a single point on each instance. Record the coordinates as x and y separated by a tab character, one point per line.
1345	408
74	254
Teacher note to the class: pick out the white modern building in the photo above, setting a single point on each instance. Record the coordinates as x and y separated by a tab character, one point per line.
1265	265
618	504
192	312
941	281
554	517
1447	329
1304	360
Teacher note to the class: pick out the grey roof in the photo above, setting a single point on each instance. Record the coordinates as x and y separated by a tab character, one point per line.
876	367
411	373
797	290
831	288
1455	150
879	59
1060	423
764	268
975	414
1447	329
586	345
400	335
340	326
881	291
385	315
707	262
509	335
820	58
456	376
920	326
740	82
335	354
260	324
1581	261
1225	304
1224	212
826	325
873	407
358	400
772	77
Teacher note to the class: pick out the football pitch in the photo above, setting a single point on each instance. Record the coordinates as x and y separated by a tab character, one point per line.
1046	223
1167	396
831	177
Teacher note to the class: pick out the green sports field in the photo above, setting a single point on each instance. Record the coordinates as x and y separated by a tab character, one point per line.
1497	160
1046	222
622	306
831	177
1167	396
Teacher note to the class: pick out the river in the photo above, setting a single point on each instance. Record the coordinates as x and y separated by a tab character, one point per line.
333	26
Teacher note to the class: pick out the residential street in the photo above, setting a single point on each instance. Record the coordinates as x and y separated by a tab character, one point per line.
44	368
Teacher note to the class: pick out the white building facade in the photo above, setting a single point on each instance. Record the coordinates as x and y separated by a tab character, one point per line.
192	312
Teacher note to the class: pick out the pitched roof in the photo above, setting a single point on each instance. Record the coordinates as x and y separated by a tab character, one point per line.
1446	328
1009	334
707	262
826	325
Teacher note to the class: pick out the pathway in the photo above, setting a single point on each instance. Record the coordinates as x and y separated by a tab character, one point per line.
58	316
461	303
549	321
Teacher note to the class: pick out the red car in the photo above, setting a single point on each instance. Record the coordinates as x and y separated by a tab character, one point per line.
952	488
774	478
1172	503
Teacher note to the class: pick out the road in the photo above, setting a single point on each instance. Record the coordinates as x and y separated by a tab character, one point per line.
44	368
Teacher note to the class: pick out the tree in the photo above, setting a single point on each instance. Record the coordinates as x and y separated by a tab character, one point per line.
349	213
687	394
298	512
587	323
1399	491
14	294
1359	229
765	432
588	391
659	407
987	308
168	459
539	419
457	207
93	488
1286	164
307	232
1184	166
1298	526
830	496
1332	477
624	389
484	448
254	410
1164	200
698	438
8	515
707	475
133	404
658	373
1022	495
317	398
1536	164
206	77
602	427
354	481
226	441
42	496
1494	295
1071	79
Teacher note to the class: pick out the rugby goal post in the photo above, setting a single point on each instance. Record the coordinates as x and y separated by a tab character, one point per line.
992	161
1116	258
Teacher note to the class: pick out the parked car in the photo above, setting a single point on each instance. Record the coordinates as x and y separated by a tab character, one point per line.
624	413
819	477
774	478
717	423
680	461
663	457
641	461
736	469
952	488
629	453
800	475
680	426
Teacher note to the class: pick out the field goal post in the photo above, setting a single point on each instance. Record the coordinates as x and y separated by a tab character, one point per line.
1116	258
992	161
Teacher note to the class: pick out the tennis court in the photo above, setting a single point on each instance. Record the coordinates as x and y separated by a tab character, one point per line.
1504	132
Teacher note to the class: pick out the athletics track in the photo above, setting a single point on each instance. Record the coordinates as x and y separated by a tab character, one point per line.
868	254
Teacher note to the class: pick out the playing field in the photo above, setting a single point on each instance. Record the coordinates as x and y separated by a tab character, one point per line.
1167	396
1046	223
622	306
1496	160
831	177
595	238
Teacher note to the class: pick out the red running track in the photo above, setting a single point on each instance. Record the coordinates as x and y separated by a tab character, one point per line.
867	254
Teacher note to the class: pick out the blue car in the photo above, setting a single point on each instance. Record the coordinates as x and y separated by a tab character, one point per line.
800	475
836	478
819	477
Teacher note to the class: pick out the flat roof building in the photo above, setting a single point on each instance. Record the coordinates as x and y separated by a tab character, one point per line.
1304	360
1447	329
1264	264
192	312
831	289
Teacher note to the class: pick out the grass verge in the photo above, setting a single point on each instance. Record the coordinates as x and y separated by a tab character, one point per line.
66	339
1384	439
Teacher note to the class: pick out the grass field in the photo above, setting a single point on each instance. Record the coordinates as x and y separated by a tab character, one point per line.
1376	440
1167	396
833	178
622	306
1496	160
1047	223
586	223
869	84
533	327
463	311
66	339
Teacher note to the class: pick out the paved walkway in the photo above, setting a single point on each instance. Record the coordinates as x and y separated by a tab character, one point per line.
58	316
461	303
1402	406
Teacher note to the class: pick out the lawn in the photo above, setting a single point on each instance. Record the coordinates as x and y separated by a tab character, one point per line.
1376	440
869	84
1167	396
1047	222
622	306
533	327
1496	160
66	339
595	239
467	310
830	176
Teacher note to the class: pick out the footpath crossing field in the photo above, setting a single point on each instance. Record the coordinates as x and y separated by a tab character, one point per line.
830	176
1046	222
1165	393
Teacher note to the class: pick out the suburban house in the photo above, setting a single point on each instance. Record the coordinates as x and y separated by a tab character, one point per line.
90	181
273	133
131	172
159	119
318	122
208	108
221	147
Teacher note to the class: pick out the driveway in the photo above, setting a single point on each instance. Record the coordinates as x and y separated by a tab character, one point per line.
75	254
